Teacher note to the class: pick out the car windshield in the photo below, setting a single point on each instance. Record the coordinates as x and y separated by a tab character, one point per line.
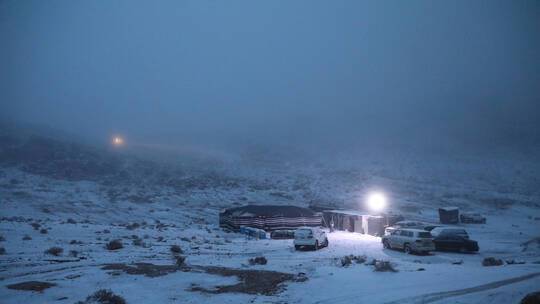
303	232
424	234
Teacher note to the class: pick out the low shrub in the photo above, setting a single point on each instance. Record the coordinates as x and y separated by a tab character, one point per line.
383	266
114	245
180	260
44	231
27	238
491	261
2	250
71	221
175	249
348	259
258	261
138	242
104	296
133	226
56	251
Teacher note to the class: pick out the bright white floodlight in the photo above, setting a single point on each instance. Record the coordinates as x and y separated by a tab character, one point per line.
376	201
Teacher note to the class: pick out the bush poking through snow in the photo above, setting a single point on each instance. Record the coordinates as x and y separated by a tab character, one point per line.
75	242
348	259
73	253
56	251
258	261
2	238
133	226
514	262
2	250
383	266
35	226
114	245
491	261
138	242
180	260
71	221
175	249
43	231
26	238
104	296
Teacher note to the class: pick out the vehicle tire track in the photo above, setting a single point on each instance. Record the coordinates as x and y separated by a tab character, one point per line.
436	296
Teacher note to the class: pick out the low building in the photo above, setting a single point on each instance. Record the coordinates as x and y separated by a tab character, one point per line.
355	221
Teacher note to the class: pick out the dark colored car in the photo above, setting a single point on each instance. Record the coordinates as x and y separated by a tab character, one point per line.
282	234
431	227
453	242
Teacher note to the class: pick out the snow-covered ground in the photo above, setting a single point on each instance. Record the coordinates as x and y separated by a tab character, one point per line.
83	216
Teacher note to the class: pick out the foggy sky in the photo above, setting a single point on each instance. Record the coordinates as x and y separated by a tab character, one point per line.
340	73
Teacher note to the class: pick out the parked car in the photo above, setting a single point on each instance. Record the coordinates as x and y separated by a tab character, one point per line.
453	239
282	234
444	230
431	227
456	242
310	237
410	240
472	218
404	224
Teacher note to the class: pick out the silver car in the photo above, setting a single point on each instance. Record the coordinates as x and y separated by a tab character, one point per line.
410	240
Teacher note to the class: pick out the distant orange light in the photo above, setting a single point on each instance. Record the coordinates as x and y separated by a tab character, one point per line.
118	141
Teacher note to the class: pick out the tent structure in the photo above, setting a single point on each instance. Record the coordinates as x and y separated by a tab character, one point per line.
269	217
449	215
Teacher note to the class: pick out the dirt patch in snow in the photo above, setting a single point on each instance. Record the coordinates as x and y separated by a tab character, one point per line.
251	281
31	286
146	269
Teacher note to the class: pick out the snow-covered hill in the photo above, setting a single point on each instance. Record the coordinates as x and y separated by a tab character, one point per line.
56	193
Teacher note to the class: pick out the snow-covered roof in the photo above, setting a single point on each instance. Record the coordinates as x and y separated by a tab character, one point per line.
348	212
270	210
449	208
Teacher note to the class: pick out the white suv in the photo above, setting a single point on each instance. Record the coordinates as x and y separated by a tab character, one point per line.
410	240
310	237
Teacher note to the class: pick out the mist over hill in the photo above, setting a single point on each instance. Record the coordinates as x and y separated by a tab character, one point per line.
128	127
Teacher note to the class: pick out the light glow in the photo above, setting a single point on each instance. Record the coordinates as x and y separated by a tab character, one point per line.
117	141
376	202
